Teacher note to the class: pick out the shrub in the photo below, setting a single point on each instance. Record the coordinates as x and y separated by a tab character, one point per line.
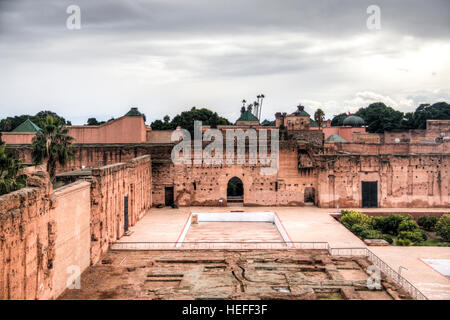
442	227
403	242
350	217
428	222
371	234
413	236
424	235
389	224
408	225
388	238
357	229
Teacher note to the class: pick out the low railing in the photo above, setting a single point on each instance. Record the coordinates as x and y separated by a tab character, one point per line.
383	266
395	276
349	252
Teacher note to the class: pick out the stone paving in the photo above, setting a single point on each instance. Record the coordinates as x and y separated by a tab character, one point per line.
230	274
430	282
303	224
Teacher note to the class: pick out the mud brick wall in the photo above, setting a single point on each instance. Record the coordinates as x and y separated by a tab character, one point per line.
109	186
71	216
27	241
198	185
99	155
403	180
311	136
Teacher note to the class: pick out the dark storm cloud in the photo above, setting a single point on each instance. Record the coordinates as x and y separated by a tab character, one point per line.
31	18
219	51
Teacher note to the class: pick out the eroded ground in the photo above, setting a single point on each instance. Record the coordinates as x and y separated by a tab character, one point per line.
244	274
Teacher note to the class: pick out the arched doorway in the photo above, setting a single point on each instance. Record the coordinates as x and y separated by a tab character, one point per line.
309	197
235	191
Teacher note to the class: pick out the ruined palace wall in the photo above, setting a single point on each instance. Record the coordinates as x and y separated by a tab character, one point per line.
206	185
27	241
46	237
344	132
71	214
390	148
403	181
110	185
43	234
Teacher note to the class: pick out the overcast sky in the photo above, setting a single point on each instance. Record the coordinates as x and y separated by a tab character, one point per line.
165	56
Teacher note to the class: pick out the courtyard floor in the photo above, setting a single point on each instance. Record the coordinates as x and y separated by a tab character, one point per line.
230	274
302	224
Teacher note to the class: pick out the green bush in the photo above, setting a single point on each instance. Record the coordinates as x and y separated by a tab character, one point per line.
442	227
413	236
389	224
428	222
424	235
357	229
388	238
403	242
371	234
350	218
408	225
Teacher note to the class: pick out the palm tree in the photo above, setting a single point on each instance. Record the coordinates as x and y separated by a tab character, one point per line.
319	117
11	176
51	144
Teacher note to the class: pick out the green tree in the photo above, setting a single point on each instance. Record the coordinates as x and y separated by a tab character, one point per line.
319	117
11	176
437	111
51	144
10	123
40	118
443	227
380	118
338	121
186	119
92	122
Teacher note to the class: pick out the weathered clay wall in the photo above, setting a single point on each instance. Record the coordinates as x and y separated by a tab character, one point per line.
46	237
122	130
391	148
206	185
344	132
42	236
73	239
17	138
403	181
366	137
27	241
110	185
159	136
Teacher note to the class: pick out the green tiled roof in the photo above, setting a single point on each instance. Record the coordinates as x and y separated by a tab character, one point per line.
27	126
247	116
133	113
335	138
313	123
